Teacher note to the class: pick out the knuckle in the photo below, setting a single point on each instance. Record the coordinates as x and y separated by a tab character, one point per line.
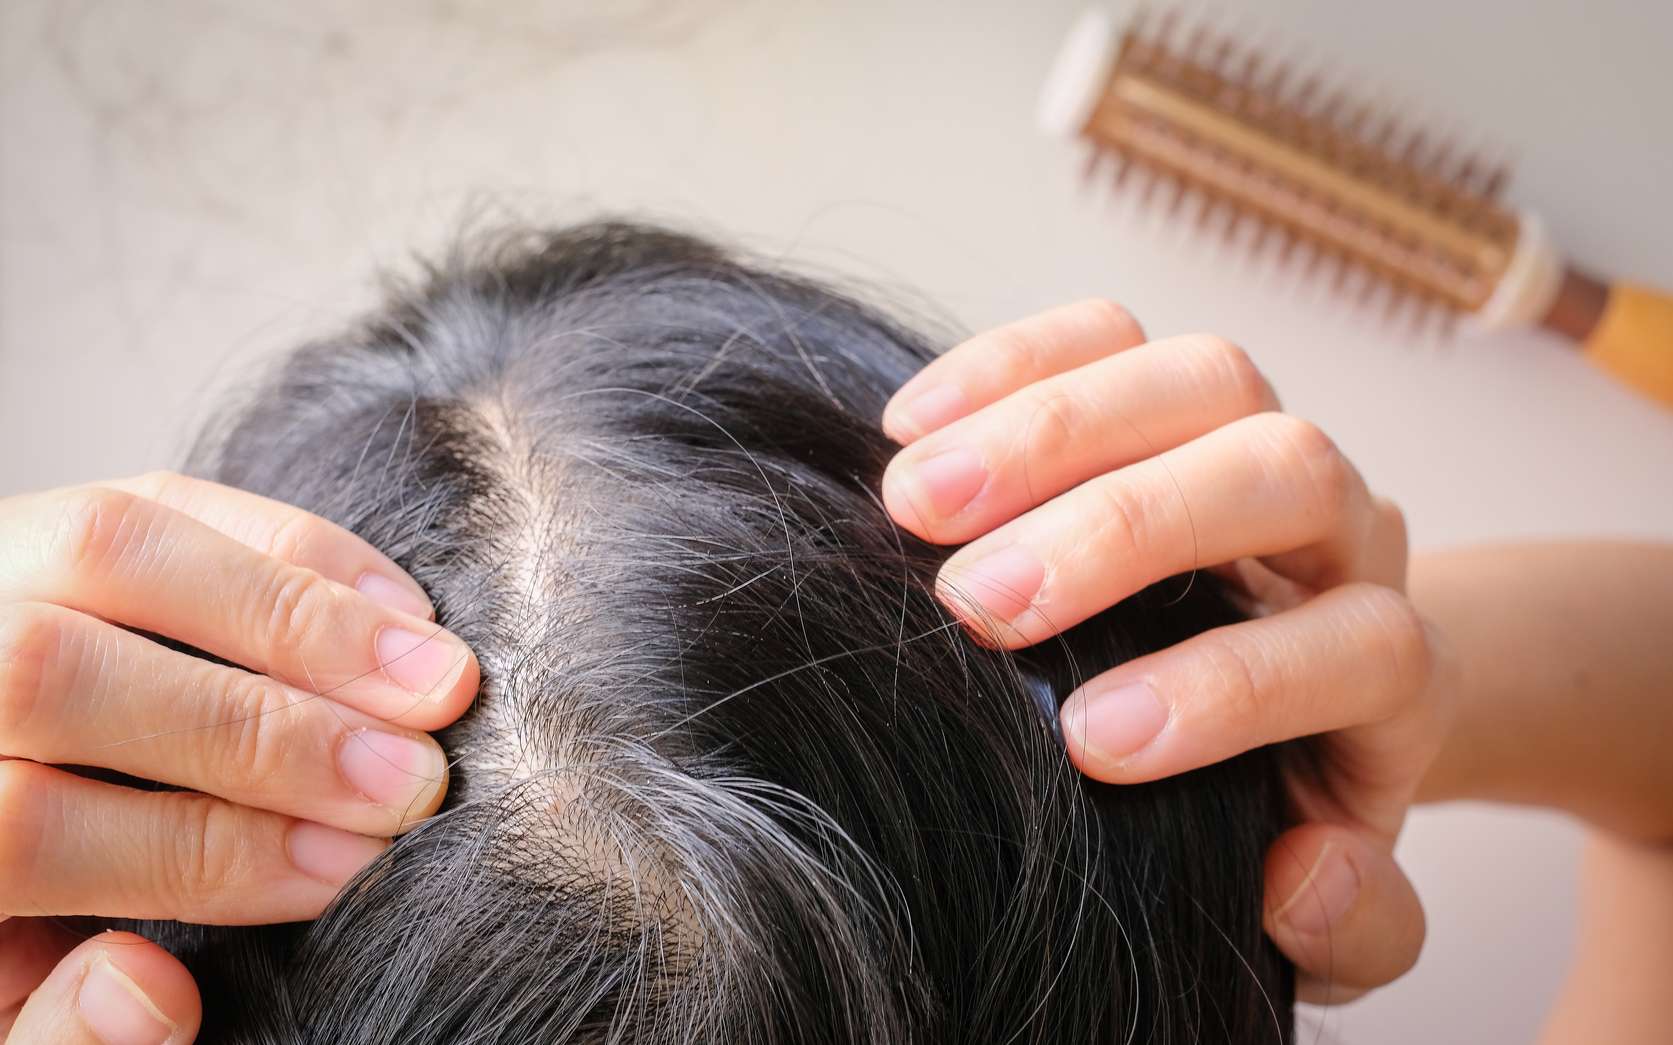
1052	425
257	740
1015	357
99	527
293	537
1306	441
1136	521
30	639
206	852
1233	368
1393	518
1213	345
1239	678
158	483
1107	317
1121	524
292	609
1402	641
1312	457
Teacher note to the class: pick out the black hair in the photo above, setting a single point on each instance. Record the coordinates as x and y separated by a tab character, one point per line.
734	774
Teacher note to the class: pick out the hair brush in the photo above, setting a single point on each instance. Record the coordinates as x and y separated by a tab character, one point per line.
1331	174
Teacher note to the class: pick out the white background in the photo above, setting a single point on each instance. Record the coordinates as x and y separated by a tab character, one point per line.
189	185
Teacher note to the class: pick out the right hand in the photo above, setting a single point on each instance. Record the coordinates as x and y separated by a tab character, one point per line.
297	766
1082	463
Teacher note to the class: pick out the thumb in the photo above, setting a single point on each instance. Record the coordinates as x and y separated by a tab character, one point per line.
1340	908
114	989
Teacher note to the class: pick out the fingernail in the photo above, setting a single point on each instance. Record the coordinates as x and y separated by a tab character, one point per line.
405	598
928	410
424	664
1324	896
939	486
390	770
327	854
1003	583
1109	725
116	1011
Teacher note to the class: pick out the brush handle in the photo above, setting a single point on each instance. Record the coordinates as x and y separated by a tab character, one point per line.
1633	340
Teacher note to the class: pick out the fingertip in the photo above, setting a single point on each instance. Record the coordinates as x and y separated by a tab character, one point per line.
437	671
1083	754
894	426
118	989
330	855
1341	909
922	407
1107	722
986	628
899	504
464	689
136	993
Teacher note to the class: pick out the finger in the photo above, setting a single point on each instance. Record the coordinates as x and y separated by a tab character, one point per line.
1389	544
1340	908
141	564
73	846
77	691
286	533
1261	486
29	949
115	989
994	364
1355	655
986	468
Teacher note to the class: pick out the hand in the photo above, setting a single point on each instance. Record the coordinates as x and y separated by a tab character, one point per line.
297	766
1083	464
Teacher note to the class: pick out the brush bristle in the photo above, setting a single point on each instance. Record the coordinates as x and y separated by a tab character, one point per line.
1372	198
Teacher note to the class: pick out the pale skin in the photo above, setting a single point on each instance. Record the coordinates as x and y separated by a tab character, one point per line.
1081	463
1567	703
290	792
1077	463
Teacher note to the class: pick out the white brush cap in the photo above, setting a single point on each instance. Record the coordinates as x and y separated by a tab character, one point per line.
1079	75
1530	283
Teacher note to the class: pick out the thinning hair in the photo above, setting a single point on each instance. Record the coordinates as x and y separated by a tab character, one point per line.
734	774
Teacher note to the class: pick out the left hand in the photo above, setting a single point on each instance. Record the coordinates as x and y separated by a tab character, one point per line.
1082	464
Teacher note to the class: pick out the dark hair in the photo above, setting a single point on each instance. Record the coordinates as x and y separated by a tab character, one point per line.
734	774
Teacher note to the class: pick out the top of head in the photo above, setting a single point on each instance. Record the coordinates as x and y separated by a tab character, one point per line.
734	774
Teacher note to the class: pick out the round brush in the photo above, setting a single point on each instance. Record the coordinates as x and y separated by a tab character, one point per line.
1321	170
